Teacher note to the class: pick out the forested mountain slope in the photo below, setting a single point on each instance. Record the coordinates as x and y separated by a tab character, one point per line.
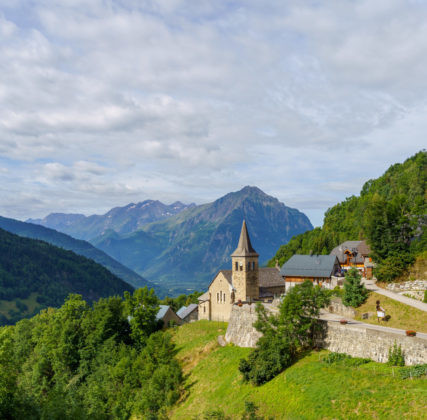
80	247
391	213
35	274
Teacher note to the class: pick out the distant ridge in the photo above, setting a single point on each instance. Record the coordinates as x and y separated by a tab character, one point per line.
80	247
121	220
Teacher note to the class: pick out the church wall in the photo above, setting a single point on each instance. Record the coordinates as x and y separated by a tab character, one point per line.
204	311
220	299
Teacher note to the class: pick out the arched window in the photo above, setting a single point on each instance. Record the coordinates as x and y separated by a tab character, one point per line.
236	266
224	297
241	266
220	296
204	309
253	265
217	297
249	266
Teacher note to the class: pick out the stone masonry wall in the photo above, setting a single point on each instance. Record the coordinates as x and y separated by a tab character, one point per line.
337	307
353	339
359	341
240	329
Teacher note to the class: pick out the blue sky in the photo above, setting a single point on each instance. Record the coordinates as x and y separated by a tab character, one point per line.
108	102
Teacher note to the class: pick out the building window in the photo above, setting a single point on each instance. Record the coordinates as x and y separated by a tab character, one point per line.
236	266
217	297
224	297
253	265
249	266
204	309
220	296
241	266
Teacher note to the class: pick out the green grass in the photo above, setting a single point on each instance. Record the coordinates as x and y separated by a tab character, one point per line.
309	389
402	316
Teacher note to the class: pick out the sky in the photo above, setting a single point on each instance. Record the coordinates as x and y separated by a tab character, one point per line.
107	102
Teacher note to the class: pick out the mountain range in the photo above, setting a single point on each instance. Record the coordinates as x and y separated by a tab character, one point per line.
182	251
122	220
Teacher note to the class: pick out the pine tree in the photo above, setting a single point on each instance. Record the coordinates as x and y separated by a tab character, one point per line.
355	292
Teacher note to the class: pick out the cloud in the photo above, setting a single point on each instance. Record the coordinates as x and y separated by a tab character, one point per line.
108	101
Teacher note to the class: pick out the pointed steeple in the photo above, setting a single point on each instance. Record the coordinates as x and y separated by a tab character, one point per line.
244	248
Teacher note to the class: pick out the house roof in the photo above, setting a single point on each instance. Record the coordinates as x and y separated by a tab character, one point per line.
181	311
309	266
244	248
162	311
187	310
360	249
270	277
204	297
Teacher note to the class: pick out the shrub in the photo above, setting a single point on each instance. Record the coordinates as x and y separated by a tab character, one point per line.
414	371
355	293
344	359
425	296
396	356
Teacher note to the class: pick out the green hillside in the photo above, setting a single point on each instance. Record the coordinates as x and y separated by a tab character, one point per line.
80	247
390	213
310	389
35	274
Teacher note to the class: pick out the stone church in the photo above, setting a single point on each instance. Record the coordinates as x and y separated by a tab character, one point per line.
244	283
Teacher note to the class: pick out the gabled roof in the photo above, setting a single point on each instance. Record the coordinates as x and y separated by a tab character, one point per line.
270	277
181	311
226	273
162	311
204	297
309	266
244	248
186	310
360	249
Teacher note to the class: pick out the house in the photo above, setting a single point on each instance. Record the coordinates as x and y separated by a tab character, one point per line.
317	268
168	316
189	313
245	283
354	254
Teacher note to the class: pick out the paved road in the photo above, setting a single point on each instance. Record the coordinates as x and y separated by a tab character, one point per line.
370	285
327	316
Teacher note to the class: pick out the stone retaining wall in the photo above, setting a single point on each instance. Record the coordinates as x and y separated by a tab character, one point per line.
353	339
240	329
336	307
408	286
359	341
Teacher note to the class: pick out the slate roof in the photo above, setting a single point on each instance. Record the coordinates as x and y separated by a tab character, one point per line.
204	297
361	249
186	310
309	266
162	311
181	310
244	248
270	277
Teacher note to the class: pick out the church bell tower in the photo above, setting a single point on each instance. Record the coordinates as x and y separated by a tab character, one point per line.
245	275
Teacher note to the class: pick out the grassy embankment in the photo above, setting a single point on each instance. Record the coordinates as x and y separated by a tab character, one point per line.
401	316
309	389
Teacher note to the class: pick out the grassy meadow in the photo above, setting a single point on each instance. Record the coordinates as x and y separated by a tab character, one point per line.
309	389
401	316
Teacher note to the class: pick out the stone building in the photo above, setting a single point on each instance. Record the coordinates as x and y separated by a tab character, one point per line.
245	282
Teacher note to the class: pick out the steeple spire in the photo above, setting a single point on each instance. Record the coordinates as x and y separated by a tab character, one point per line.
244	248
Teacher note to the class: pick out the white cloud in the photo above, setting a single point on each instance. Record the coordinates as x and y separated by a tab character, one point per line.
104	102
